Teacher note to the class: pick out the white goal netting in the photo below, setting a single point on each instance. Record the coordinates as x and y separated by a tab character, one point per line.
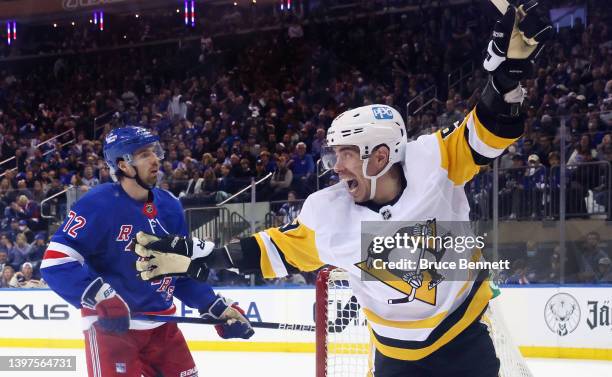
343	341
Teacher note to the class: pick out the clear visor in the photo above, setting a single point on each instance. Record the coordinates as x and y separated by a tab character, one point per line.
331	155
148	151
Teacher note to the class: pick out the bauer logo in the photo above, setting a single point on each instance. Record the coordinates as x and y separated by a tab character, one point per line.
562	314
381	112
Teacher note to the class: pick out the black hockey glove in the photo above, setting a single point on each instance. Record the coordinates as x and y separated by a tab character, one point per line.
518	38
172	256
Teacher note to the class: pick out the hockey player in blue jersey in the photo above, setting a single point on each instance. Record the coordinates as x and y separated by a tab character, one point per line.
89	264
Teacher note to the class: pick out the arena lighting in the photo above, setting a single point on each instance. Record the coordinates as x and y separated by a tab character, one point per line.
8	32
101	21
192	13
90	21
235	3
14	30
73	23
288	4
137	15
54	24
95	18
186	12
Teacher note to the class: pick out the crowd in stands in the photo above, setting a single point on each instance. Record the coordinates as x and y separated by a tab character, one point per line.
231	107
587	260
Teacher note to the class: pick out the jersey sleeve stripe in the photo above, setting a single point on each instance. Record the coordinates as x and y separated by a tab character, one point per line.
59	247
456	156
487	136
266	266
52	254
477	143
49	262
278	267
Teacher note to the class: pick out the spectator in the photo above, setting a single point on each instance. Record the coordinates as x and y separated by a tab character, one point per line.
303	168
551	273
290	210
604	149
554	185
266	160
25	230
3	257
88	177
37	250
583	152
512	189
7	275
19	252
281	179
604	271
589	257
505	161
519	273
24	278
226	184
534	185
450	116
318	142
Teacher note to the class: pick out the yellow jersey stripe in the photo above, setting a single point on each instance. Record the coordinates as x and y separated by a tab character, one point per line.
456	156
297	244
488	137
426	323
476	306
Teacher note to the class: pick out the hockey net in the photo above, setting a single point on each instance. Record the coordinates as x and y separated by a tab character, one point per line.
343	341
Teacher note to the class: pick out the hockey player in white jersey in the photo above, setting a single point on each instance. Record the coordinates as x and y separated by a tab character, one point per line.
385	177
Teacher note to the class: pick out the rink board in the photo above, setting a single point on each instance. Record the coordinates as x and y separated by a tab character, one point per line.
547	321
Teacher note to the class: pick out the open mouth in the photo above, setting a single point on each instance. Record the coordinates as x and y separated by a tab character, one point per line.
352	185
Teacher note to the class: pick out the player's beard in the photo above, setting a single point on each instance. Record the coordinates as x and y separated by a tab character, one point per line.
149	178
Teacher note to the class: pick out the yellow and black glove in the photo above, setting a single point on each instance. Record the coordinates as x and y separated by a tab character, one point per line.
517	40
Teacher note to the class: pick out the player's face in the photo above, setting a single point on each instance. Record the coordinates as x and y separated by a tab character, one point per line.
349	168
147	161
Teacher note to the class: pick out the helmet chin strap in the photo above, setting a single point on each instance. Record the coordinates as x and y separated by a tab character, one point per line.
374	178
136	177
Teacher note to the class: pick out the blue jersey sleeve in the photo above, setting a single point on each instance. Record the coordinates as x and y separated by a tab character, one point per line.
79	238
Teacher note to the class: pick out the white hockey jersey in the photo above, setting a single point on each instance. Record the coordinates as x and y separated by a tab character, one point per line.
328	231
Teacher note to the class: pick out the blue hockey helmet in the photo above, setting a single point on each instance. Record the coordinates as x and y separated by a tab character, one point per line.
122	143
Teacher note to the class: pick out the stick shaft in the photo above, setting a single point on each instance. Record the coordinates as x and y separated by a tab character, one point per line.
204	321
501	5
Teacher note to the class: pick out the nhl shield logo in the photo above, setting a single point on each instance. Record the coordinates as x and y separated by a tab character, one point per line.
149	210
562	314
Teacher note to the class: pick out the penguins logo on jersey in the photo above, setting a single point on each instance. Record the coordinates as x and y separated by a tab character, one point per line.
416	284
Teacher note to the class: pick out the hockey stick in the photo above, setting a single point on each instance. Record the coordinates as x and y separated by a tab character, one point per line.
205	321
501	5
417	272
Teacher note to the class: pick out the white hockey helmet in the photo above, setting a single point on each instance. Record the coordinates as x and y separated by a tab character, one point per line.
367	127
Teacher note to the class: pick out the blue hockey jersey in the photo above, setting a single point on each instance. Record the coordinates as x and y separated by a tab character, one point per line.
95	241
